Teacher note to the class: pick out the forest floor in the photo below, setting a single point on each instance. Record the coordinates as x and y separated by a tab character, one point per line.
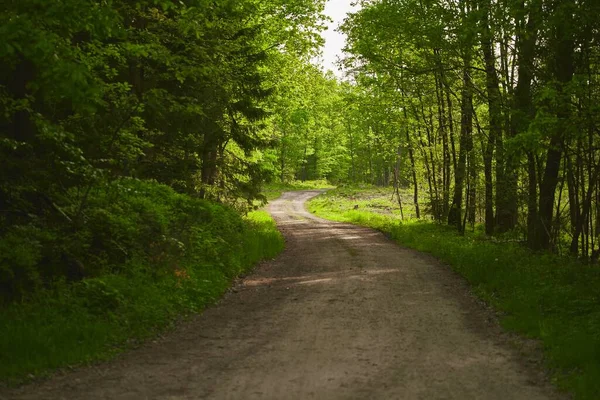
343	313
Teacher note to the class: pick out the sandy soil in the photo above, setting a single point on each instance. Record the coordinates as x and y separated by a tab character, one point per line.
343	313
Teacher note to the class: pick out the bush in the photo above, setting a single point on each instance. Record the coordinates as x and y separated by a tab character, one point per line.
20	254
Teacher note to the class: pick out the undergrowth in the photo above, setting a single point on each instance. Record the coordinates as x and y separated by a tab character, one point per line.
174	256
541	296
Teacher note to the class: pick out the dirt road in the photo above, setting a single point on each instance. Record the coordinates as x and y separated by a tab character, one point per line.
343	313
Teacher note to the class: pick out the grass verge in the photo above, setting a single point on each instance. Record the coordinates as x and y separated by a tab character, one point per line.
541	296
92	320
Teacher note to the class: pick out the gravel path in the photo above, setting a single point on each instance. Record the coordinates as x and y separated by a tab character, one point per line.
343	313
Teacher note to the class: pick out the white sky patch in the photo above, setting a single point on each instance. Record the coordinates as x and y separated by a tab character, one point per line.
335	41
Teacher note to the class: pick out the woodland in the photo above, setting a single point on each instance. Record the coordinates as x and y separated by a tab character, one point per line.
139	137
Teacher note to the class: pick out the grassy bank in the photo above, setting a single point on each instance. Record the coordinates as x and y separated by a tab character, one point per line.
541	296
179	255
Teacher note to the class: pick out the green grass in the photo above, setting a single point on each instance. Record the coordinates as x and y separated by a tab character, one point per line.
274	190
541	296
97	318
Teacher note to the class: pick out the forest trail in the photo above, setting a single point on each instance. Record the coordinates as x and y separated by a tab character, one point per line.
343	313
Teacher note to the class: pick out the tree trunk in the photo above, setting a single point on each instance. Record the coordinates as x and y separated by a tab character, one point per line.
282	159
209	163
466	144
411	156
352	151
494	111
563	70
507	207
439	90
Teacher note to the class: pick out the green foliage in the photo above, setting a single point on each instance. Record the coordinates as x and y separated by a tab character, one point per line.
542	296
308	124
20	253
497	102
95	93
98	297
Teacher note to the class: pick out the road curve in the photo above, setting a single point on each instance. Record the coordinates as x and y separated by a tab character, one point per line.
343	313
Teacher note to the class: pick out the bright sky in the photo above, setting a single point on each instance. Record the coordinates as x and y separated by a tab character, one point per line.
334	41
